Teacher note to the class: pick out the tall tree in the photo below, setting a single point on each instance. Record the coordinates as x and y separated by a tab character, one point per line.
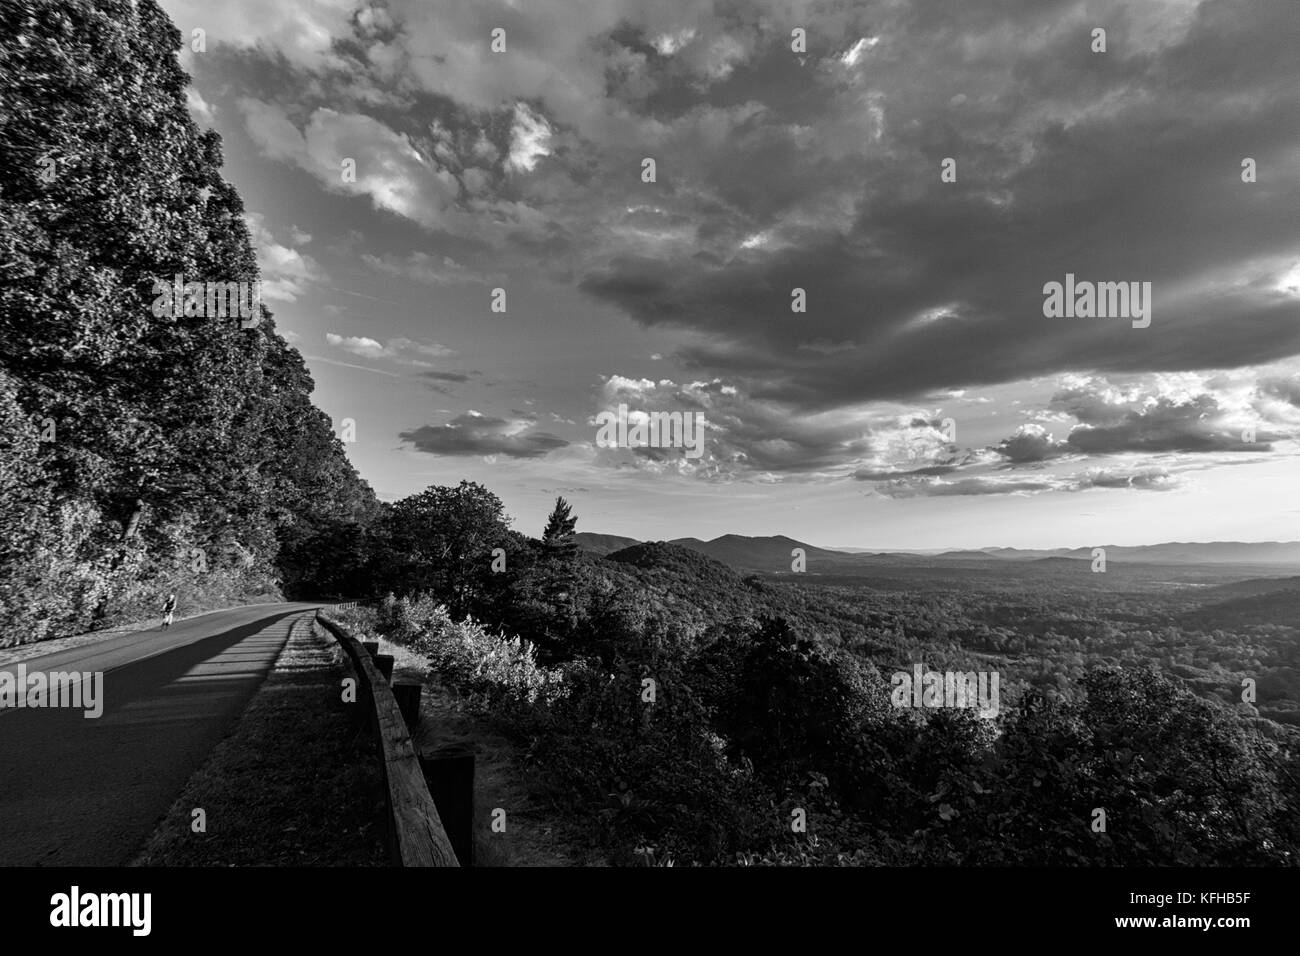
441	541
558	534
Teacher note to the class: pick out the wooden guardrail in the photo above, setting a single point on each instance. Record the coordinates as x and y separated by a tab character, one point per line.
416	833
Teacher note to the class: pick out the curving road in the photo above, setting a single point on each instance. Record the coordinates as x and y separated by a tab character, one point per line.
88	792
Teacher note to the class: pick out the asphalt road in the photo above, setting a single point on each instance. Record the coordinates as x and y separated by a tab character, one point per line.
88	792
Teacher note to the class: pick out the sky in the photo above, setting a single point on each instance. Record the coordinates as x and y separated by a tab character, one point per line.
921	170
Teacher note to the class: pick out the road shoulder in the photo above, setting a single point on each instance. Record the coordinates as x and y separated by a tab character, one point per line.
294	783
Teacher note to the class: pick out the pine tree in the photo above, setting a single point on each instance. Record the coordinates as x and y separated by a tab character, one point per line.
558	535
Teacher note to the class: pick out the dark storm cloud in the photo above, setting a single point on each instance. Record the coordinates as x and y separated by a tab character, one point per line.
1122	166
929	471
441	382
1148	479
473	434
1166	426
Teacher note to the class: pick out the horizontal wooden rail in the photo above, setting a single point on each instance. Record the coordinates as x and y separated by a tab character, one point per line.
416	834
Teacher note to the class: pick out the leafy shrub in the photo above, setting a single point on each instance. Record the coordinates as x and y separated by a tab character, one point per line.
501	671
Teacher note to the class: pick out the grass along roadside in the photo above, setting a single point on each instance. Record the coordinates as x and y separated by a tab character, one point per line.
294	784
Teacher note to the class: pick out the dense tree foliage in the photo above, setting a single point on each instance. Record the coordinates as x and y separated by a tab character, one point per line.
142	453
442	540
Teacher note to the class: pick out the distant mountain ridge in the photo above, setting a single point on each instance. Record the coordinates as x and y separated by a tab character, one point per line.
603	544
769	553
1176	552
772	553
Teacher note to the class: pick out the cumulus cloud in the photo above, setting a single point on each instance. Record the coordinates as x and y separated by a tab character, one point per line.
286	272
1031	443
529	139
388	167
403	350
741	436
1155	430
1168	415
1146	434
750	438
669	43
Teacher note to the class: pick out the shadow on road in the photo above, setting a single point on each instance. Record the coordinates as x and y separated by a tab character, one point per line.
77	791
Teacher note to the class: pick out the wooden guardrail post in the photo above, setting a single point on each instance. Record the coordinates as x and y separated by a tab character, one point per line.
408	701
371	647
449	771
416	833
384	662
365	707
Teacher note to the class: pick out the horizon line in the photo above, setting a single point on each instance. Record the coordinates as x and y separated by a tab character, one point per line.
940	550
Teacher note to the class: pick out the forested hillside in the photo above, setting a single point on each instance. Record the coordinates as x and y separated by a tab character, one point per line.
681	712
140	453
